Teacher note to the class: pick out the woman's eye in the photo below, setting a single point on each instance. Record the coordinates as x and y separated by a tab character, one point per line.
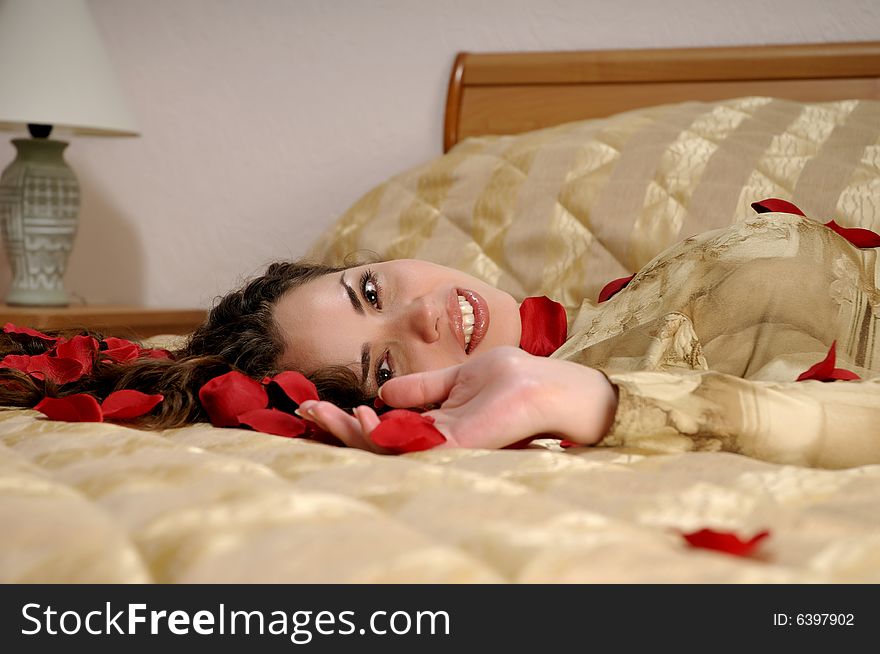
370	288
370	292
384	372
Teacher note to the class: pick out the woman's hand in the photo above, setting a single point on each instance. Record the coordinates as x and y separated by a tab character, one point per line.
490	401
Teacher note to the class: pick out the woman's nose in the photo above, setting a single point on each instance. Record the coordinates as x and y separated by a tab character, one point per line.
423	320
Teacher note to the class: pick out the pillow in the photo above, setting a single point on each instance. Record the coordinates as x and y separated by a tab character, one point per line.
563	210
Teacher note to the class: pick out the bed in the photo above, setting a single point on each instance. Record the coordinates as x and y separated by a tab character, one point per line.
561	171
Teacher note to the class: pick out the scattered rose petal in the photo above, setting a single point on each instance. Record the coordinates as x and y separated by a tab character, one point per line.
127	404
229	395
44	367
775	205
723	541
861	238
612	288
79	348
73	408
526	442
16	361
565	443
544	325
59	370
521	444
825	371
842	374
402	430
273	421
121	350
10	328
295	386
155	353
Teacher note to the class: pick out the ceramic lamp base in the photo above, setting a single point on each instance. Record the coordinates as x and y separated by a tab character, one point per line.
39	205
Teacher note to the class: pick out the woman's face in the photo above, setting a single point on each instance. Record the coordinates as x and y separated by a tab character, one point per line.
393	318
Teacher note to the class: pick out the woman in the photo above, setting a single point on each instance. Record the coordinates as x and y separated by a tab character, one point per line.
700	351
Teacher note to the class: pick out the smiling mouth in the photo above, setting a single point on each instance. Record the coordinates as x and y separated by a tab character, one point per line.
467	320
474	318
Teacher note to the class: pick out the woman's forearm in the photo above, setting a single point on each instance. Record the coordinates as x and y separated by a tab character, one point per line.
582	400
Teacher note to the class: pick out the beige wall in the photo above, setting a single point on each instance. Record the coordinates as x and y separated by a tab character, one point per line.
263	120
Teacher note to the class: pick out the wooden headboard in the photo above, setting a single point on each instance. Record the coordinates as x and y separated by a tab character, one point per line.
517	92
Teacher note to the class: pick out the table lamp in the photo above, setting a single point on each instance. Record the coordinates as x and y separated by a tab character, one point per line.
53	72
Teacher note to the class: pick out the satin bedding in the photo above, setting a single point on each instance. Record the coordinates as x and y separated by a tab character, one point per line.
558	212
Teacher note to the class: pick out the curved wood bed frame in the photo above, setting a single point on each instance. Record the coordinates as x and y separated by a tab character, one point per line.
508	93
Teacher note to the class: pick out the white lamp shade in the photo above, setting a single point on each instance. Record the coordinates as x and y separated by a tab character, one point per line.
54	70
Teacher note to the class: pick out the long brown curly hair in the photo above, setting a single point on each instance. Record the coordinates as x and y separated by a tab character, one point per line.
239	333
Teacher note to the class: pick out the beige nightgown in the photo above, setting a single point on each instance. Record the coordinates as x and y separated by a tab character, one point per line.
707	340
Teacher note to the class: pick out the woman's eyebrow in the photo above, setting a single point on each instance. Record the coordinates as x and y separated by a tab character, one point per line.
365	348
355	302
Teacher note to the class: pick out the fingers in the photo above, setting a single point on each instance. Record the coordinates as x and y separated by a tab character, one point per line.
345	427
420	388
367	418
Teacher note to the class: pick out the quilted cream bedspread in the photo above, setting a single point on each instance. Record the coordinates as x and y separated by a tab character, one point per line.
102	503
558	211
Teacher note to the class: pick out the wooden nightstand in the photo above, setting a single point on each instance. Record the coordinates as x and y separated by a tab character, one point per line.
111	320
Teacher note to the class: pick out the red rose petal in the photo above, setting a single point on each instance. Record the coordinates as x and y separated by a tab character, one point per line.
73	408
79	348
844	375
295	385
155	353
544	325
113	342
565	443
825	371
723	541
861	238
57	369
121	350
42	366
612	288
520	444
10	328
402	430
777	206
230	395
273	421
16	361
128	403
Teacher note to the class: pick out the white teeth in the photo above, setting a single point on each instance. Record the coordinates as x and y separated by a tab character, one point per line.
467	319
